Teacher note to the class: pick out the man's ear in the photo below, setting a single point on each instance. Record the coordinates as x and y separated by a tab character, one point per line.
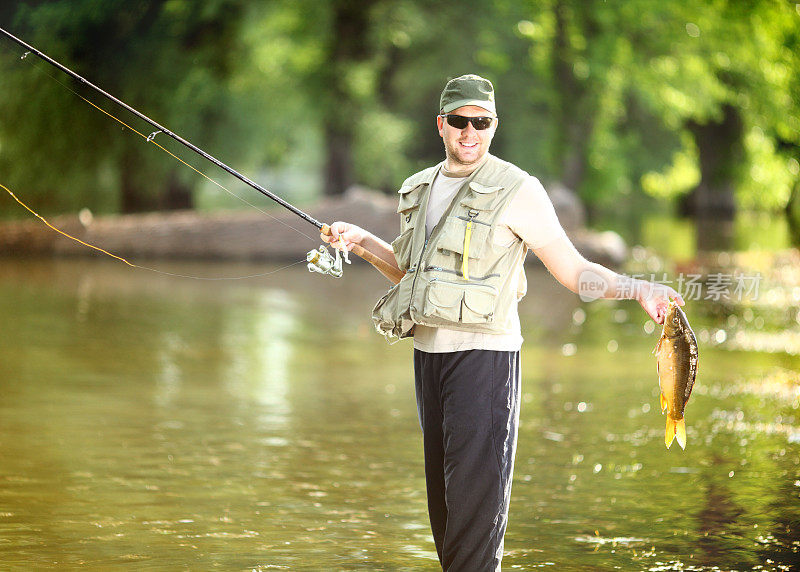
440	124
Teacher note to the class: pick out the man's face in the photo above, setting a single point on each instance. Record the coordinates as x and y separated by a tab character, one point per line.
466	147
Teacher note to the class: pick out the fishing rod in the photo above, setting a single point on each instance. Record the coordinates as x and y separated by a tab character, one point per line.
319	260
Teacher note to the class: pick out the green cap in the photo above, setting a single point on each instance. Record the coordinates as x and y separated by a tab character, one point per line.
467	89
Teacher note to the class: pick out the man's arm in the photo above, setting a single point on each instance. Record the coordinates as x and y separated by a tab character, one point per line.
572	269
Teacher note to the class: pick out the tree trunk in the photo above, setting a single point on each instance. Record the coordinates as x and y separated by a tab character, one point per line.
133	198
720	148
349	45
339	164
574	128
712	203
790	149
177	196
793	214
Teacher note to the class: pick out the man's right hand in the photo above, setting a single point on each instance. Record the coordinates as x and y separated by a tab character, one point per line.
372	249
353	235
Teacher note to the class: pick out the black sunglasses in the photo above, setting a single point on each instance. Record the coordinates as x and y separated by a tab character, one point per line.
460	121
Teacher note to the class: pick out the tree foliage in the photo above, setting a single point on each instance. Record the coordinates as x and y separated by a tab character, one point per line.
66	153
661	98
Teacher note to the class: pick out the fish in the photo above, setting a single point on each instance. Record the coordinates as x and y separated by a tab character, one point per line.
676	363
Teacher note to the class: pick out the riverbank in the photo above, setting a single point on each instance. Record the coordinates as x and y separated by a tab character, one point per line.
250	235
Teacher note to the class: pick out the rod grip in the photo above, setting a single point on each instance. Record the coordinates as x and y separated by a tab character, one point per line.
391	272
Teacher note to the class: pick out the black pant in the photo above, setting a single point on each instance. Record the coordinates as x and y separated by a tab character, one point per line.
468	405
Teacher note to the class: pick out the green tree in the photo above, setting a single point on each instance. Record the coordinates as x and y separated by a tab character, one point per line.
694	98
680	97
355	48
167	58
721	74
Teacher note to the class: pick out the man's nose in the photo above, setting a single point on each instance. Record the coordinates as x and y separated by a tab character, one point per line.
469	129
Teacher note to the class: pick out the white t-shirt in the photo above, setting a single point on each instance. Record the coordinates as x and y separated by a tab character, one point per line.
530	216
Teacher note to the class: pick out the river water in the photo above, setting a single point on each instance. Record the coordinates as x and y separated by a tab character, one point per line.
160	423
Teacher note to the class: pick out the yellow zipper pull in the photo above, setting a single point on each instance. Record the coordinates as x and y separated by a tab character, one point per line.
465	256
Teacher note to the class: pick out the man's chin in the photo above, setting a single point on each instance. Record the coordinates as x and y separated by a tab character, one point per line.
467	158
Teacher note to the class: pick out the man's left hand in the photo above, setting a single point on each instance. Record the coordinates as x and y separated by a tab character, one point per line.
655	298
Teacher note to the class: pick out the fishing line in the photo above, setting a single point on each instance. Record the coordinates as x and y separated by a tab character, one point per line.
151	139
321	226
319	260
131	264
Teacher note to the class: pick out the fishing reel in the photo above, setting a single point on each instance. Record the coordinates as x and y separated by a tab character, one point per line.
321	261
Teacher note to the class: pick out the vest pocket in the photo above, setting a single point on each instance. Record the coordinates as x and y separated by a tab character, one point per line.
443	301
408	205
408	217
402	249
479	304
454	232
482	197
391	314
460	303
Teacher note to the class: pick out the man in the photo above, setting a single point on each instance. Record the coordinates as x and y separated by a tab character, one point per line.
466	226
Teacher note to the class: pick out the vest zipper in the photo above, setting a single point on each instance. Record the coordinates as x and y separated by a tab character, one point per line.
416	275
465	251
435	230
457	273
473	220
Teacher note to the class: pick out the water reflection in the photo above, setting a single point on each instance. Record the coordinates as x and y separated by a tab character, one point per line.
258	341
169	381
260	425
718	521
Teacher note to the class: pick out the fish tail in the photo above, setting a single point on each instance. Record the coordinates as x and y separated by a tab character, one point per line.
669	435
680	432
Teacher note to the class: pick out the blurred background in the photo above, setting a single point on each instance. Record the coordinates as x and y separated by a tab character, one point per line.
162	422
654	106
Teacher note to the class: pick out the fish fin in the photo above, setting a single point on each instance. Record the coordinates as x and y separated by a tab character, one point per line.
658	345
680	433
669	435
663	402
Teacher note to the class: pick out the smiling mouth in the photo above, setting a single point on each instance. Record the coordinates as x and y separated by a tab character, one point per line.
468	145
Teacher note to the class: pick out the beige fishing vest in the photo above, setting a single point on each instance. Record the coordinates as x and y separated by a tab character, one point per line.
436	291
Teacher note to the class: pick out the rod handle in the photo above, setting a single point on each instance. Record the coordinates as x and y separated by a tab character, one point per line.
391	272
